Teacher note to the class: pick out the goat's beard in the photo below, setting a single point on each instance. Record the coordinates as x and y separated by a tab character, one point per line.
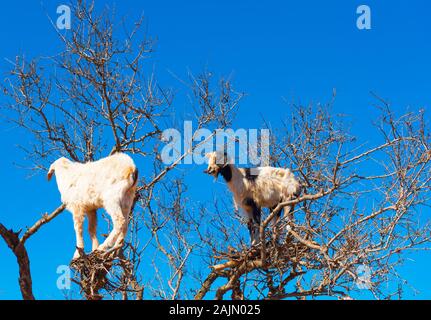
213	173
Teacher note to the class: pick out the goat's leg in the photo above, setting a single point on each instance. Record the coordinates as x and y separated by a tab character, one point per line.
288	210
275	224
289	220
119	240
78	222
254	215
119	225
92	228
289	214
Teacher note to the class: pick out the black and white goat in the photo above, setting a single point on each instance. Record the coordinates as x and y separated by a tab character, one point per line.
253	189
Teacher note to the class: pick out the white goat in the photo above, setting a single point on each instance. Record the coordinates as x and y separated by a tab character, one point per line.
253	189
85	187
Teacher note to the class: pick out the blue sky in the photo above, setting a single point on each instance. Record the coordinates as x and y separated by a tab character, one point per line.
273	50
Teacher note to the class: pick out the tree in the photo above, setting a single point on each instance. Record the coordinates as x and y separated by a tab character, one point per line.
358	211
98	97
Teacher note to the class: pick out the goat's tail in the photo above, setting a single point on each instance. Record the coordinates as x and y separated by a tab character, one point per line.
131	175
135	176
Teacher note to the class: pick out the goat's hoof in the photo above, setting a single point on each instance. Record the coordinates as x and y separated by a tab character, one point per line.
113	249
75	259
105	253
78	253
101	248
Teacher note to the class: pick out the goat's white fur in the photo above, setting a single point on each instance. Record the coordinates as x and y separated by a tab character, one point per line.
108	183
269	187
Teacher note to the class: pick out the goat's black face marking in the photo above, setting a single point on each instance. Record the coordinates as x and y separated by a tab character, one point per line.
248	175
226	172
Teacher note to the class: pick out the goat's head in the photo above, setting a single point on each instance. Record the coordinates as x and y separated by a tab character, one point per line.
216	161
59	163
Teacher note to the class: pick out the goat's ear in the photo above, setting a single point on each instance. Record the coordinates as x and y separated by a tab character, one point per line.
50	172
